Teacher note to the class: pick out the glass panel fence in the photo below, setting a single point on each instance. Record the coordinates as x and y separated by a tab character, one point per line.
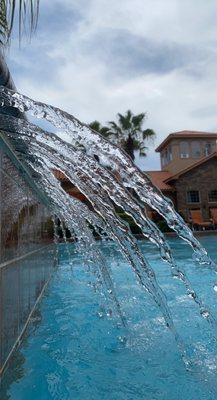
27	253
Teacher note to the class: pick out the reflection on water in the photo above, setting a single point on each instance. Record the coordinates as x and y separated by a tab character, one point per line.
15	370
25	222
21	284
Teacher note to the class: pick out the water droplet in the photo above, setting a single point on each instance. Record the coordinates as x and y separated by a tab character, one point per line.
109	313
215	287
205	314
192	295
122	339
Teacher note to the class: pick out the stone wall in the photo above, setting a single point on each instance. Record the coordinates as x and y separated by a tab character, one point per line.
202	178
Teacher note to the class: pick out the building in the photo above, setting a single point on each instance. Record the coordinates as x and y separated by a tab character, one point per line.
189	172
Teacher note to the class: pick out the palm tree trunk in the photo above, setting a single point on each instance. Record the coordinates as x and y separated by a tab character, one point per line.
129	147
7	81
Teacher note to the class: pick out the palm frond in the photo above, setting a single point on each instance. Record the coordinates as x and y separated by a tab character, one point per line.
28	11
114	127
137	120
95	125
125	121
143	151
148	134
3	22
105	131
136	144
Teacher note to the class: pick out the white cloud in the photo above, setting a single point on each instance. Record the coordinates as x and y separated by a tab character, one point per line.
59	67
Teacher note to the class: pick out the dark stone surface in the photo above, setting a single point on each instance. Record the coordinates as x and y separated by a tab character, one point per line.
202	178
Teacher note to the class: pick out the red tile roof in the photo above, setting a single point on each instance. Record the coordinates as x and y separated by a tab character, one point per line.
72	191
158	178
59	175
186	134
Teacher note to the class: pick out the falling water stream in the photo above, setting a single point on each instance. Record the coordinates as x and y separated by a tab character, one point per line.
108	181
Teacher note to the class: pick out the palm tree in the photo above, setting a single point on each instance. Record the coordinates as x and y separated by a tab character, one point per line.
27	16
127	133
103	130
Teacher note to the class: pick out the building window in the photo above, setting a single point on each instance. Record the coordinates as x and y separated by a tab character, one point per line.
212	196
170	155
208	149
195	147
167	156
163	159
184	150
193	196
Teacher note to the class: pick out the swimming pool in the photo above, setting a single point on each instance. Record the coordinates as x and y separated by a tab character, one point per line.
73	350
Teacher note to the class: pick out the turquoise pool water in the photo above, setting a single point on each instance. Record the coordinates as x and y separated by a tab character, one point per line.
74	351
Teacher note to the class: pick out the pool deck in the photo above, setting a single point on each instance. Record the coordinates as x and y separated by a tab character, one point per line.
195	233
168	234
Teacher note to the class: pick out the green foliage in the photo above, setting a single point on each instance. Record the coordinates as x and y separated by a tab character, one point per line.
133	226
162	225
96	126
27	11
127	132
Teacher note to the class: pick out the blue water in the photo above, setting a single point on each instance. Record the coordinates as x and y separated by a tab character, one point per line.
74	351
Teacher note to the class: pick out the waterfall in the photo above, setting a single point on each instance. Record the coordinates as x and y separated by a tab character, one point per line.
105	181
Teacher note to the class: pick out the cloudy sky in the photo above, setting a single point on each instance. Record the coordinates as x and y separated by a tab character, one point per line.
95	58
